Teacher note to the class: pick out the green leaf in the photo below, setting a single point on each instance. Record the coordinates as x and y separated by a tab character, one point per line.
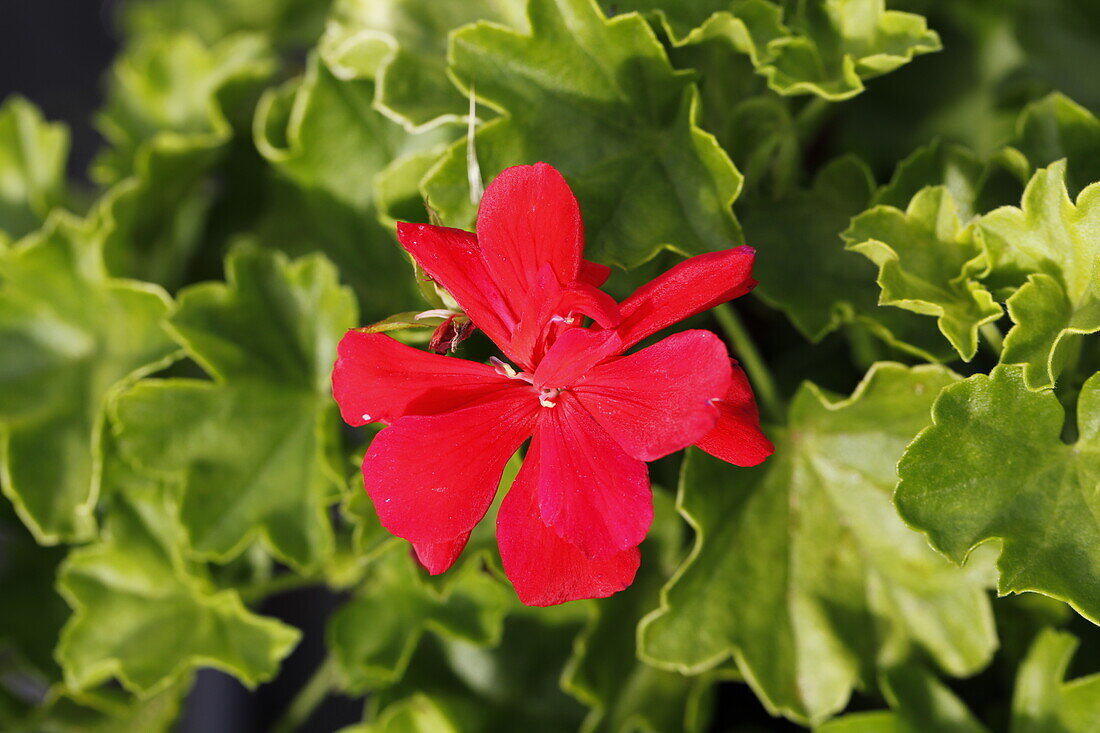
928	264
803	572
994	467
32	167
1053	243
69	337
920	703
254	446
1042	702
936	164
599	100
624	693
822	47
106	709
147	616
329	145
172	108
1056	127
405	43
373	636
287	22
805	271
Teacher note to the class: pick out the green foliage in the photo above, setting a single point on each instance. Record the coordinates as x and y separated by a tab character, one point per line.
32	168
916	177
253	446
144	614
994	467
70	335
646	176
801	570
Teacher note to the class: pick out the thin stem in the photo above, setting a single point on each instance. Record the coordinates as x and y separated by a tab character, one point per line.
993	337
749	356
315	691
278	584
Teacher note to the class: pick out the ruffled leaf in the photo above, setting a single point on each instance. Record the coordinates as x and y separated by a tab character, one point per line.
1054	243
32	167
822	47
69	337
802	570
928	264
994	466
646	176
145	615
252	447
829	286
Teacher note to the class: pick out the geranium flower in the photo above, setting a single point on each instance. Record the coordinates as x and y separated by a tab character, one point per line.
572	521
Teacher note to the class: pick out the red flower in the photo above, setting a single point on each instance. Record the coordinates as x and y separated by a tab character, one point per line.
570	526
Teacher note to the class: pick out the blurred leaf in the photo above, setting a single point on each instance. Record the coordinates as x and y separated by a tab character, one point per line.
802	570
373	636
822	47
805	271
625	694
1056	127
920	703
404	45
599	100
993	466
1043	702
1053	243
928	264
172	108
329	145
69	337
254	446
32	167
286	22
106	709
935	164
146	616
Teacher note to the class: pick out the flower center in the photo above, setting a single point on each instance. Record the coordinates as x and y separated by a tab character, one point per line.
548	395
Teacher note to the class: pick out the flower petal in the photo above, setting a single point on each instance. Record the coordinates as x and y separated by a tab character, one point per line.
593	273
452	258
658	400
544	568
529	218
432	478
693	286
573	354
379	379
590	491
438	557
736	437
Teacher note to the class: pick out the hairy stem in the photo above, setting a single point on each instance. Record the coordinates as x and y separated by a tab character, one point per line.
746	352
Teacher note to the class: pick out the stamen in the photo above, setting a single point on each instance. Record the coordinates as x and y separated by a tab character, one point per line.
437	313
547	395
503	369
366	417
569	320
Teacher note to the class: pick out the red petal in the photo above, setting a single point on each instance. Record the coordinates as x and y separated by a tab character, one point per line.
594	273
544	568
529	218
590	492
658	400
452	258
378	379
588	300
736	437
573	354
432	478
693	286
438	557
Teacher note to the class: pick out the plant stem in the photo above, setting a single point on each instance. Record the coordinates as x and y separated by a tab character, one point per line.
993	337
749	356
278	584
315	691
